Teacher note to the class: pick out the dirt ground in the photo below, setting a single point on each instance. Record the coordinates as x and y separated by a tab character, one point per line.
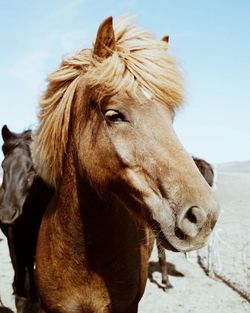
193	290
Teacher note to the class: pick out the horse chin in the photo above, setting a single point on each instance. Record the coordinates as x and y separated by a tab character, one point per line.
165	243
177	242
162	238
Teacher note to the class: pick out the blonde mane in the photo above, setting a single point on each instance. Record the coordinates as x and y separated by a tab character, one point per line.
138	61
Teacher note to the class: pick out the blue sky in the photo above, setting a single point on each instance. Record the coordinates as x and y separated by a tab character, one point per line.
210	39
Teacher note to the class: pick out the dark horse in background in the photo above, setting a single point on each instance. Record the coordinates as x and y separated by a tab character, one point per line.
23	199
207	172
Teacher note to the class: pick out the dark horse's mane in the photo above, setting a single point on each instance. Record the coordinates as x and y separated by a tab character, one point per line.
23	140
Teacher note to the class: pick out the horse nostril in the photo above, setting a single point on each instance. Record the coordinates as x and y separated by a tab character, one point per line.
191	216
197	216
14	213
8	217
191	222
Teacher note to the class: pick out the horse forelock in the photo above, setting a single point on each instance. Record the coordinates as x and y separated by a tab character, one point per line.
138	61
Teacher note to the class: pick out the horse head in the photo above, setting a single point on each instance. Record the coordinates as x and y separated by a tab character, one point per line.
115	119
18	174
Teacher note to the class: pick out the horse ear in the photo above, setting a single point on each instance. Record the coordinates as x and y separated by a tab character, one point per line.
27	136
105	39
7	134
165	38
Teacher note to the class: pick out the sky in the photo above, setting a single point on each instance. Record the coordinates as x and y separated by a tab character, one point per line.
209	39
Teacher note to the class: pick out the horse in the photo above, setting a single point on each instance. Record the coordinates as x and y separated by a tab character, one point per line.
207	172
105	142
23	199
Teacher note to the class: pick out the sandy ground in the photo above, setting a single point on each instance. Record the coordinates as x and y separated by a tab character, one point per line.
193	290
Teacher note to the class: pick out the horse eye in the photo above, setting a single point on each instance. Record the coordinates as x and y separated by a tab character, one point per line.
30	179
114	116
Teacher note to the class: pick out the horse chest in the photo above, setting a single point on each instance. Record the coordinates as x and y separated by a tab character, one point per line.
102	267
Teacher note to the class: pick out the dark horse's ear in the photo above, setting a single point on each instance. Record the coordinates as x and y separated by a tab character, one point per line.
7	134
165	38
105	39
27	135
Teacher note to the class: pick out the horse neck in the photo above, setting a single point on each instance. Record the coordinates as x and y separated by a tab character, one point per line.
97	244
91	223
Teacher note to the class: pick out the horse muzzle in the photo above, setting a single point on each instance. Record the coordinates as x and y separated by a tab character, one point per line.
187	230
9	216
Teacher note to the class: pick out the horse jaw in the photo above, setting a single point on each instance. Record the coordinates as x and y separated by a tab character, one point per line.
163	219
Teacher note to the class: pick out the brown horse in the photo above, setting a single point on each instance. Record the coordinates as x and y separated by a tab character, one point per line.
106	143
207	172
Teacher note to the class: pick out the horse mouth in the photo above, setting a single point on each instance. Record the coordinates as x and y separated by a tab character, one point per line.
161	237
